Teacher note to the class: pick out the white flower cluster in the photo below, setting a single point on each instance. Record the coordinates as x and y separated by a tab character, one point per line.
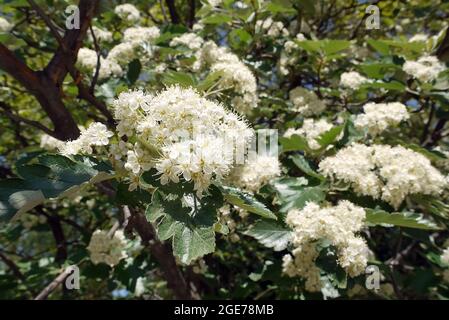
215	3
225	218
420	37
190	40
128	12
352	80
50	143
287	58
100	35
106	249
255	173
311	130
141	34
136	45
426	69
337	224
445	256
87	61
272	28
382	171
235	74
5	26
179	133
95	135
306	102
377	117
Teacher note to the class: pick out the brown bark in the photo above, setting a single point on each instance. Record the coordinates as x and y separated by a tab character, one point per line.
163	254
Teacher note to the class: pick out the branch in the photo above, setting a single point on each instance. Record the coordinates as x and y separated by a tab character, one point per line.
48	22
172	10
48	96
54	284
14	268
97	67
66	54
191	12
17	119
163	254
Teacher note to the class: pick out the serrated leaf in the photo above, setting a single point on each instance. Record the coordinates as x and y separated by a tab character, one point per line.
192	243
181	78
246	201
270	234
330	136
53	176
294	143
302	163
400	219
191	230
293	194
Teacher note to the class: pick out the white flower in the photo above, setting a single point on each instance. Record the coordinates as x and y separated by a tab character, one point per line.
100	34
272	28
256	173
5	26
50	143
123	53
106	249
352	80
306	102
377	117
141	34
180	134
96	135
87	58
426	69
214	3
445	256
302	264
301	37
339	225
420	37
311	129
235	75
127	11
190	40
382	171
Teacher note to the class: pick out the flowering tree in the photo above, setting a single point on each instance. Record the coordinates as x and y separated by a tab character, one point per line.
224	149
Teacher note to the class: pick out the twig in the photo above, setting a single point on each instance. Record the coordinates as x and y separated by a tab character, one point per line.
54	284
49	24
97	68
15	118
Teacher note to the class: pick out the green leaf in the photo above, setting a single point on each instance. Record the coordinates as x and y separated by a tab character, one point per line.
326	47
330	136
246	201
181	78
275	8
270	234
54	176
400	219
294	143
293	193
210	80
302	163
239	38
192	230
217	19
192	243
134	69
392	85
